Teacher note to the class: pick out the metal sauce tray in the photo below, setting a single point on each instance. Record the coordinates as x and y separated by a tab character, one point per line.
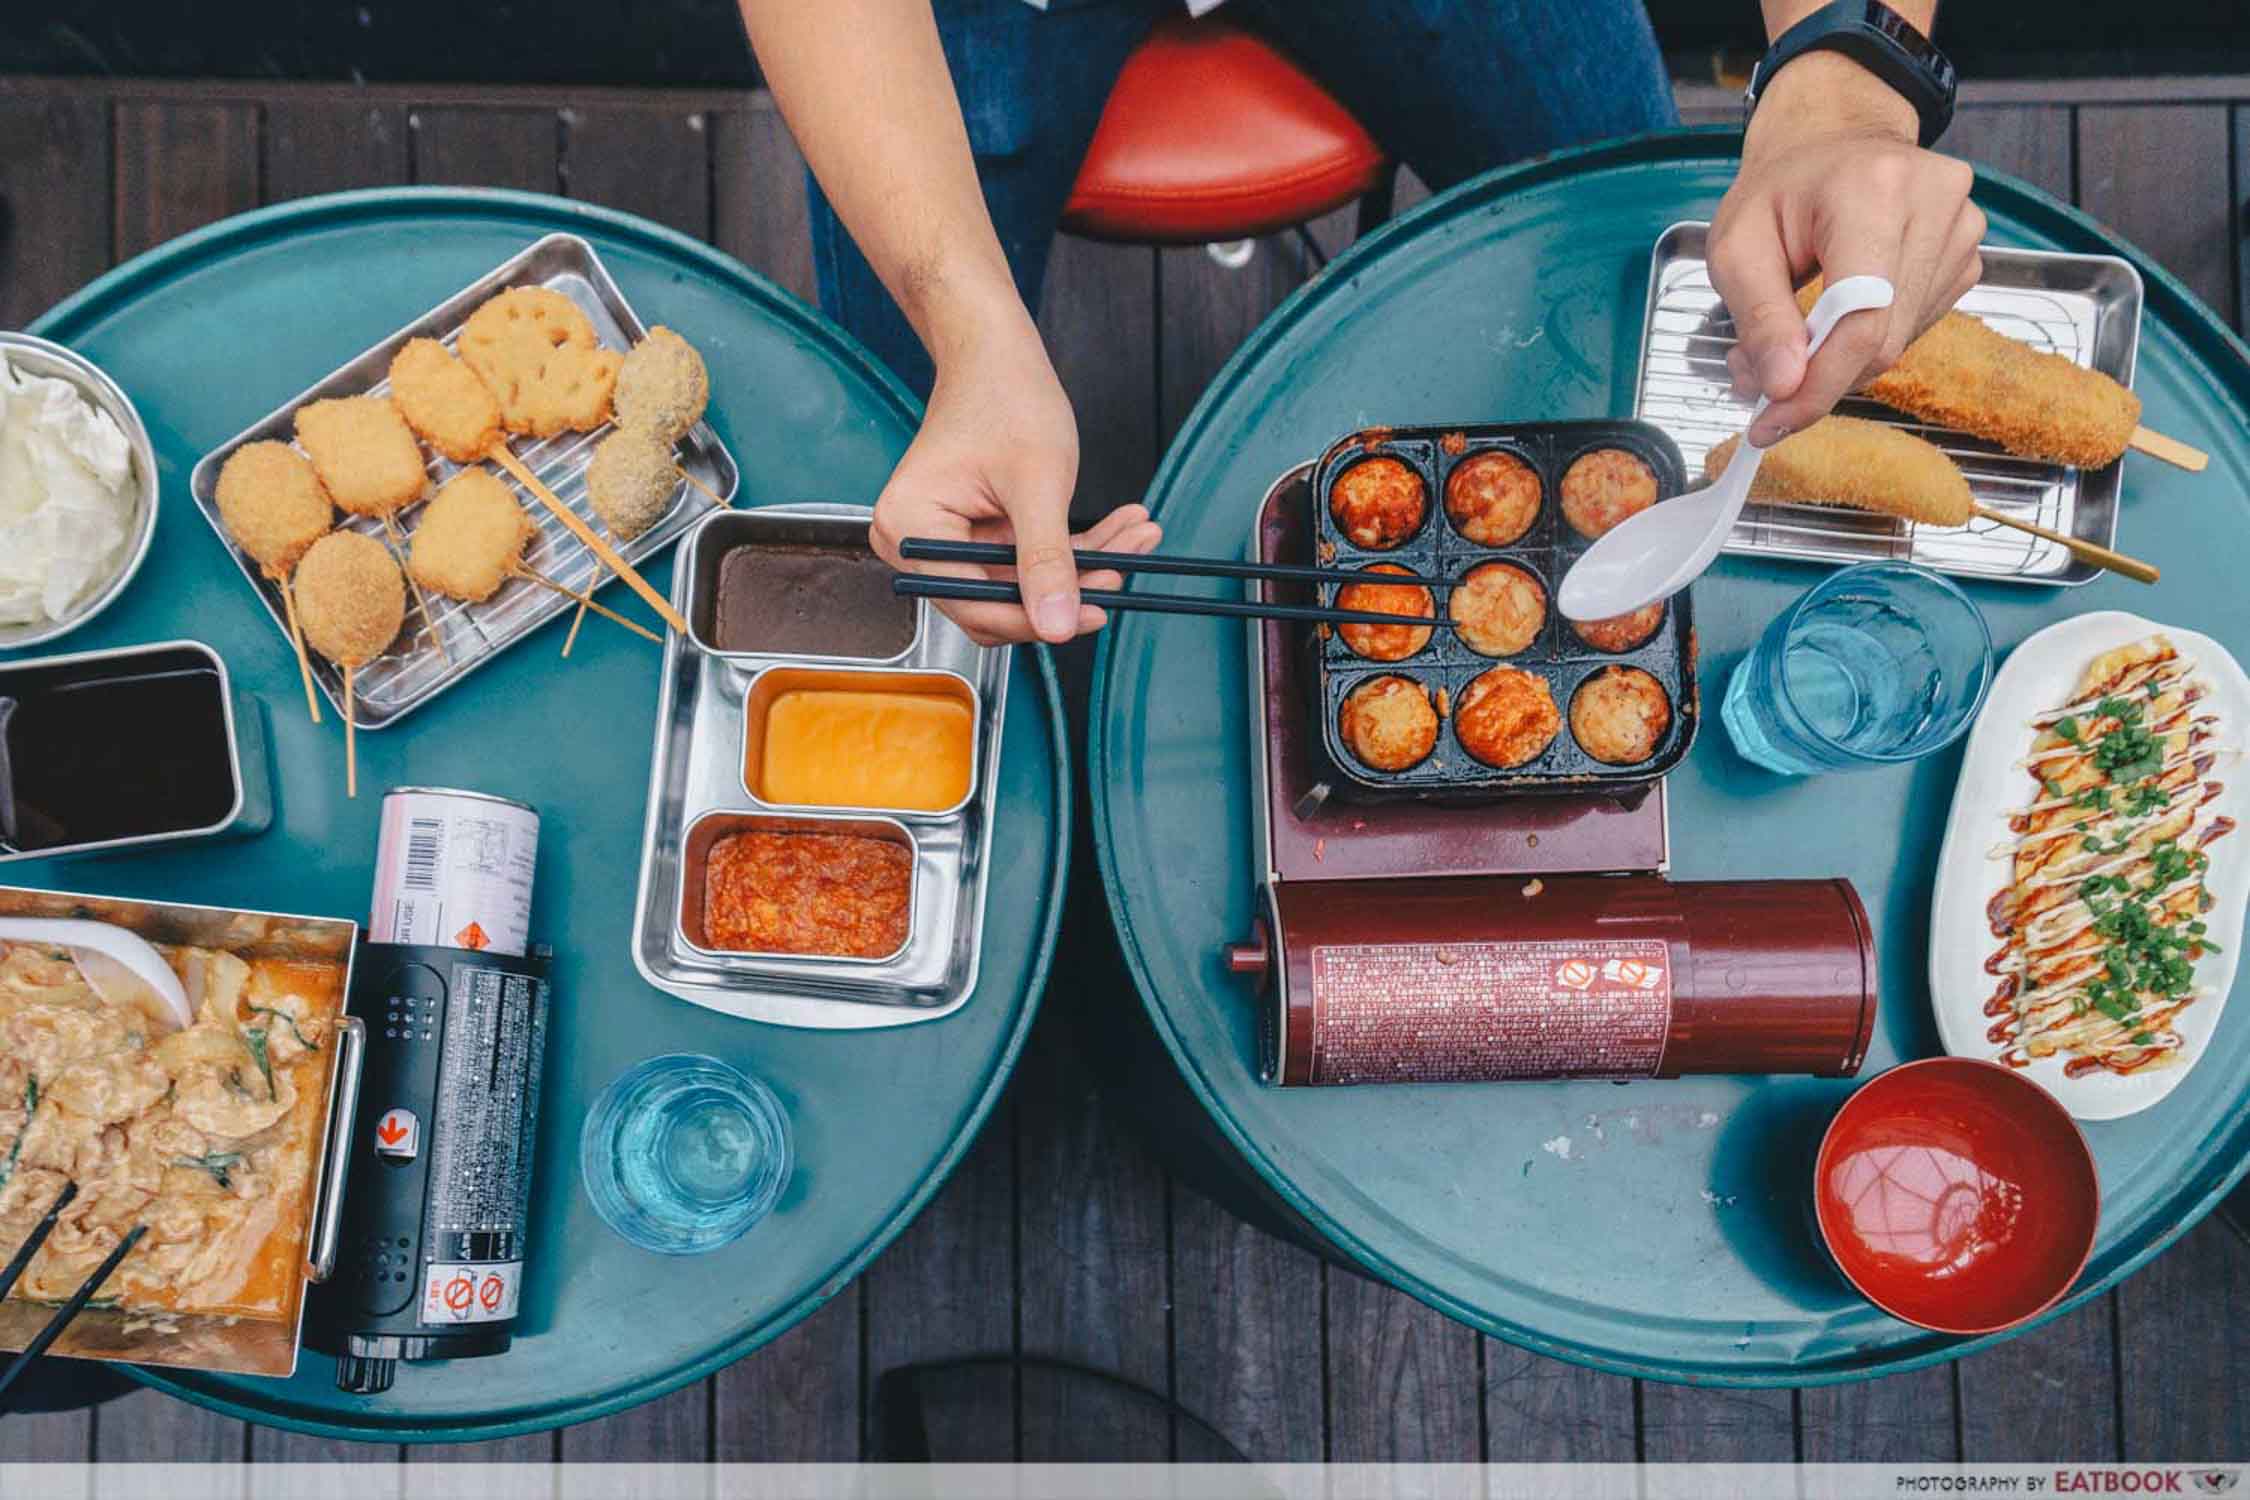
2086	308
697	790
413	672
1446	664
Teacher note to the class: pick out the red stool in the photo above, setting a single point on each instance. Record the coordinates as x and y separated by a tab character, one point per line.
1211	136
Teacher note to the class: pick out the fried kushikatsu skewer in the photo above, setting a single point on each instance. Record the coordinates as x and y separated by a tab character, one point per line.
354	601
593	539
1851	462
472	538
272	503
1967	375
365	453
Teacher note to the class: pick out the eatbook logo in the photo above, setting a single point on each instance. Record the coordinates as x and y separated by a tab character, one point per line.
2215	1481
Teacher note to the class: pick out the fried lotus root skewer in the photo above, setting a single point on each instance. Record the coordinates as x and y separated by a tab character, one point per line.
272	503
537	354
352	601
471	540
365	453
1849	461
1967	375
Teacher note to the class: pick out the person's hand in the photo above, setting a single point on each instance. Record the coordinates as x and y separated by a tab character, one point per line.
996	461
1832	182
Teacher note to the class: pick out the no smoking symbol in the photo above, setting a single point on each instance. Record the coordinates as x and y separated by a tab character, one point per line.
491	1292
457	1294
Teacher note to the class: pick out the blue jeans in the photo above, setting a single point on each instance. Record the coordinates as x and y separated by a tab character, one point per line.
1450	87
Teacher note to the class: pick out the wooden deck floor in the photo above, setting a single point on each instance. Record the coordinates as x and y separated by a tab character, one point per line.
1059	1236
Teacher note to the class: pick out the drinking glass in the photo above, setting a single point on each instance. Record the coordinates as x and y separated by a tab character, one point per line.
1873	666
682	1153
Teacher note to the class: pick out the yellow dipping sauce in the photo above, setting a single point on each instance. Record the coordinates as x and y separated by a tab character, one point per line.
834	748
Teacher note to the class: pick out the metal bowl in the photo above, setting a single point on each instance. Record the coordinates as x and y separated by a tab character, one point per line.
38	356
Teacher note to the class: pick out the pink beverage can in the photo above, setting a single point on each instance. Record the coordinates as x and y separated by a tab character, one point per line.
454	869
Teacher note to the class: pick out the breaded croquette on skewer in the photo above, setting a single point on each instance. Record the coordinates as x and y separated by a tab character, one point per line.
631	481
353	605
274	506
1849	461
443	400
364	453
1966	375
471	538
662	387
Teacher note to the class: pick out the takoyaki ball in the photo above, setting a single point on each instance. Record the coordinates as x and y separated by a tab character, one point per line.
1378	503
1386	642
1389	723
1493	498
1604	487
1621	632
1619	715
1499	608
1506	717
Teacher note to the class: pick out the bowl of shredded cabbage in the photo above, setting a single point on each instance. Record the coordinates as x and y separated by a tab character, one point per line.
77	491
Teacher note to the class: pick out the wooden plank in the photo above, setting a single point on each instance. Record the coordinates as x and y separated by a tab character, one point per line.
651	162
1246	1320
1094	1276
1207	310
2184	1341
1899	1419
758	195
472	147
374	1471
327	146
516	1483
2048	1396
670	1429
1402	1378
1541	1410
2160	175
178	167
55	229
1098	316
151	1427
2031	141
797	1399
1703	1424
36	1437
945	1289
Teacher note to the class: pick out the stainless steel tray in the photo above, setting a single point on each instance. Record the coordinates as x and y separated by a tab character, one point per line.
2084	307
412	672
697	768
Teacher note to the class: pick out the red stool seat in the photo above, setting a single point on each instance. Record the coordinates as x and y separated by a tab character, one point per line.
1210	134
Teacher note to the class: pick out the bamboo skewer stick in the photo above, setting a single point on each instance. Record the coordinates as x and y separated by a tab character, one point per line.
297	639
593	539
429	621
2171	450
586	603
579	619
351	739
2093	552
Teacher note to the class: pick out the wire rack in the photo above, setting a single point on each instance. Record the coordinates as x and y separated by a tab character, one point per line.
2085	308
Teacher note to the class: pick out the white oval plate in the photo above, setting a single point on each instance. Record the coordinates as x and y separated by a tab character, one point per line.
2039	674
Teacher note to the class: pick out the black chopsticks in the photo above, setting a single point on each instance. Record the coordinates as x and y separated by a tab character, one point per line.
931	586
931	549
78	1299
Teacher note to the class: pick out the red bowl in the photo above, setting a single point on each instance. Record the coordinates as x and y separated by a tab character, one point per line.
1957	1195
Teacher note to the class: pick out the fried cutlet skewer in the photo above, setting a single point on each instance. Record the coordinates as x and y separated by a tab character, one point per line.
472	538
272	503
1967	375
365	453
354	603
1867	465
501	455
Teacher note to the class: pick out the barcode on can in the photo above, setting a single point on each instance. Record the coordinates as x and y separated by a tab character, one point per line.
454	870
425	840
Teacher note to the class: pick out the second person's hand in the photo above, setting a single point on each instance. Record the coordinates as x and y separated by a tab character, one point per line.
996	460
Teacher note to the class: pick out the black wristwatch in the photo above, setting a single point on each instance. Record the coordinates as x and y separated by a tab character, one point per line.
1879	40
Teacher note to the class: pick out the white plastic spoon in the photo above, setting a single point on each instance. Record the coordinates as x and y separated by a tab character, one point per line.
1665	548
120	966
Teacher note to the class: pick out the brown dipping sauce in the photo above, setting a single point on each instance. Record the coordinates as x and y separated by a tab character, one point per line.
838	894
802	600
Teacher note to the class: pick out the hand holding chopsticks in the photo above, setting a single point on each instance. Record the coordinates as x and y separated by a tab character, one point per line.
77	1303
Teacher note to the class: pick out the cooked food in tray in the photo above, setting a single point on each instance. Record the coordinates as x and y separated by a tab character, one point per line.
1605	487
1386	642
365	454
1492	498
1390	723
208	1136
842	895
1966	375
471	539
273	504
444	401
1378	503
1506	717
350	598
873	747
1851	461
2101	921
1620	715
1621	632
1499	607
67	496
802	599
662	387
537	354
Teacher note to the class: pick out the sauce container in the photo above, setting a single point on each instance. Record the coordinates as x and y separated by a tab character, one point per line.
773	684
117	749
743	568
705	833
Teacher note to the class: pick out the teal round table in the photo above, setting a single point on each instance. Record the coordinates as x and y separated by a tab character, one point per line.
213	330
1672	1239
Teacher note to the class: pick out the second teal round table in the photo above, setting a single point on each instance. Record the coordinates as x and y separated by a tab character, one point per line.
213	330
1655	1229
